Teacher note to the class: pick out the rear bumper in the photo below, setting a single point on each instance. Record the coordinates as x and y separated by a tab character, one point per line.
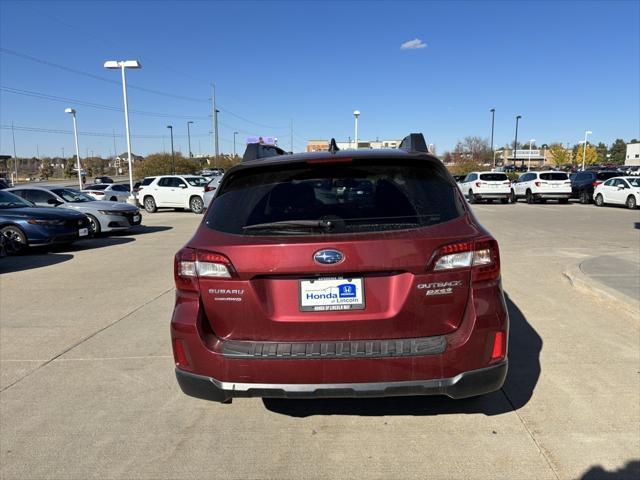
463	385
492	195
552	195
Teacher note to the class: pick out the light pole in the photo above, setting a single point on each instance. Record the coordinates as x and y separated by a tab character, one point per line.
530	144
356	114
189	138
123	65
493	118
75	136
234	144
515	142
584	148
173	160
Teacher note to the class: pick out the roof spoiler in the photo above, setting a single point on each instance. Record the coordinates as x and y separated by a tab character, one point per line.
256	151
414	142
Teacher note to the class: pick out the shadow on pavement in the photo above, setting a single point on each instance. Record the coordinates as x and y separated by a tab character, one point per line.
17	263
524	370
142	230
630	471
92	243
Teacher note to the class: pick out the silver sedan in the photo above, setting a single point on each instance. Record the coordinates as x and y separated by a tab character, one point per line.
104	216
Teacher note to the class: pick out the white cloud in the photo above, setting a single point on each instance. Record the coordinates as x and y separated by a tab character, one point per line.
413	44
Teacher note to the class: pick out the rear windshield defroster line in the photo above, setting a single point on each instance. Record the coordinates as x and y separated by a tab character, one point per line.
302	199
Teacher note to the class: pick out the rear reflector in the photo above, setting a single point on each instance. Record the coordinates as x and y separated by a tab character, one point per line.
499	346
179	353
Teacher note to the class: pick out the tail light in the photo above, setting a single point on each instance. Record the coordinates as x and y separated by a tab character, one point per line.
595	184
499	350
479	183
190	265
209	188
538	184
482	256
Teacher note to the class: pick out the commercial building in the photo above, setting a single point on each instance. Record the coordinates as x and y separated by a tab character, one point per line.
323	145
633	154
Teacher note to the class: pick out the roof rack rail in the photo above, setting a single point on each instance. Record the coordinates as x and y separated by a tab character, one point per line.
255	151
414	142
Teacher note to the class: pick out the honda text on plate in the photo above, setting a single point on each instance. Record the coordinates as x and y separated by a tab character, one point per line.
339	274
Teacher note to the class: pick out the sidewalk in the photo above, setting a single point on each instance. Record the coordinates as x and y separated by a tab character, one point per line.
614	277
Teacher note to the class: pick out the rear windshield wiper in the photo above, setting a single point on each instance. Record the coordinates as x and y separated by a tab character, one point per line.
292	225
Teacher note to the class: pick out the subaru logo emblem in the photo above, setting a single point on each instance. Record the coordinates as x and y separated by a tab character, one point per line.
328	257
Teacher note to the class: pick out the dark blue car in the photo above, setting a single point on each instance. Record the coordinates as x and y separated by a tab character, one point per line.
22	225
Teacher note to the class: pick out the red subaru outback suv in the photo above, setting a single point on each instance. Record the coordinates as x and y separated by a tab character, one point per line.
339	274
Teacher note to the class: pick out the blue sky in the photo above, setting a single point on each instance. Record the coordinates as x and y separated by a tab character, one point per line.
564	66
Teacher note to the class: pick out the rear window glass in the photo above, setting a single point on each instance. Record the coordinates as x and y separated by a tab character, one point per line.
606	175
148	180
197	181
99	186
493	177
554	176
334	199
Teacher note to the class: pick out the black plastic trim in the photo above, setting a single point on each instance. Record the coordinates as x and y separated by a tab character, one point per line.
400	347
464	385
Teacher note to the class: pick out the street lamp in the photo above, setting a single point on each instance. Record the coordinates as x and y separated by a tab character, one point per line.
584	148
72	112
234	144
123	65
515	143
530	144
173	160
493	118
189	138
356	114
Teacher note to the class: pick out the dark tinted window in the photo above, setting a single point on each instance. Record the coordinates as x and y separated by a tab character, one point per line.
120	188
148	180
37	196
98	186
554	176
354	198
606	175
493	177
165	182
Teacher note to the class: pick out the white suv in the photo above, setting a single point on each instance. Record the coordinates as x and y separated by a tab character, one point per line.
174	191
542	186
488	186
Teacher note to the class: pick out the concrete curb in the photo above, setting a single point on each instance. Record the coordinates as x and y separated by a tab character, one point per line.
585	283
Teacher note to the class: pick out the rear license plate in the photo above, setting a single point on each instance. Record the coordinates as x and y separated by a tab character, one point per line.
136	218
83	232
325	294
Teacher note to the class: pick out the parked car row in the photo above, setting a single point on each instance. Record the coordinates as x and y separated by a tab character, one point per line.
45	215
602	186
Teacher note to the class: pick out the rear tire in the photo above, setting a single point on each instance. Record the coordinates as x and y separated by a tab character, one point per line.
94	225
150	204
514	199
15	239
530	198
631	202
472	198
584	197
196	204
599	200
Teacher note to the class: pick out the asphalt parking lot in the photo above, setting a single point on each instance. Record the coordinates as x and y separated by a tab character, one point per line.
88	389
